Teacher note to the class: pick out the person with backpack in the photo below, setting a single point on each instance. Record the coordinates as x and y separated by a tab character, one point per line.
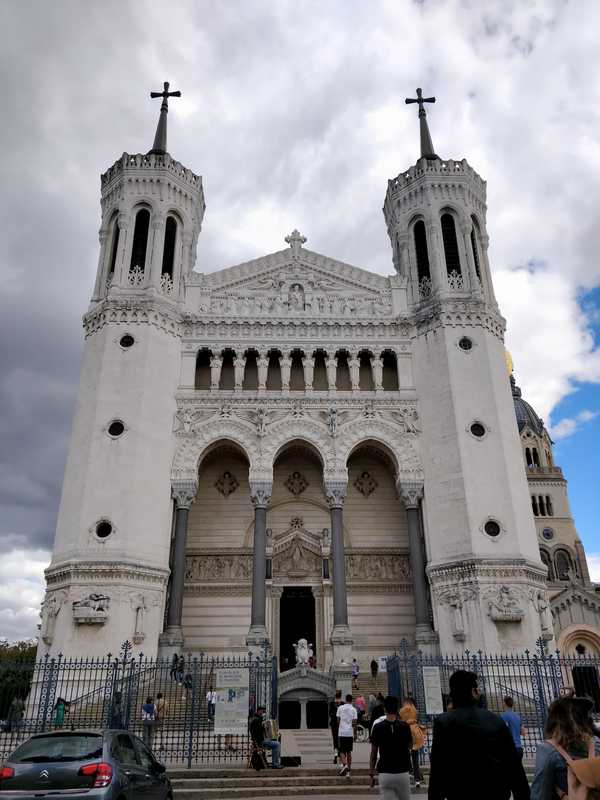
148	722
409	714
334	723
566	764
473	756
391	742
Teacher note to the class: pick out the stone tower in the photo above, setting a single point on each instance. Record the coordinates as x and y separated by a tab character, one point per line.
110	564
487	581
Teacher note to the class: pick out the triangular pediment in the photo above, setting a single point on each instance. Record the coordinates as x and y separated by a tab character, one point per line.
575	594
318	272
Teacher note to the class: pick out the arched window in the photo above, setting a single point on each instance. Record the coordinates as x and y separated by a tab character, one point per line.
365	381
563	564
202	380
475	246
320	382
297	373
534	506
547	561
114	249
549	507
342	380
542	505
274	372
390	371
140	239
169	247
450	244
250	371
227	379
536	458
528	460
548	458
421	252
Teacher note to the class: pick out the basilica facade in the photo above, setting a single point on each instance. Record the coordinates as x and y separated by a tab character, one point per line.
295	447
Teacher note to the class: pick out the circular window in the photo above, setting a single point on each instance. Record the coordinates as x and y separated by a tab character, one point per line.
127	340
465	343
492	528
103	529
477	429
116	428
548	534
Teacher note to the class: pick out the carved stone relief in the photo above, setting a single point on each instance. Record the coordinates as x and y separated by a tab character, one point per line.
50	610
296	483
297	560
91	610
365	483
377	567
227	484
504	604
213	567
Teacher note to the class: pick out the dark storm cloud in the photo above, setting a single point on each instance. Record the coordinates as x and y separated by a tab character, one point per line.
294	114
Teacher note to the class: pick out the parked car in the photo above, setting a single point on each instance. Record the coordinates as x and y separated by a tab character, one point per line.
102	765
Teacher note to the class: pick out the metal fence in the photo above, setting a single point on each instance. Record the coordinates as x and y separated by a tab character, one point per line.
55	693
533	680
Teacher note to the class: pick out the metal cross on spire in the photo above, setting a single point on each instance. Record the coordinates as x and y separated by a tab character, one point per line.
160	139
427	150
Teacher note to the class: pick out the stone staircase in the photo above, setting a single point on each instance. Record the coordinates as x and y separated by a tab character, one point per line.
367	686
304	782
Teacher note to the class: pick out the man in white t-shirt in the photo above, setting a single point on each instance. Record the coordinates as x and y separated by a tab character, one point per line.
347	717
211	700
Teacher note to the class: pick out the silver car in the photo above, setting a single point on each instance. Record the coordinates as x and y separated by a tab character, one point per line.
100	765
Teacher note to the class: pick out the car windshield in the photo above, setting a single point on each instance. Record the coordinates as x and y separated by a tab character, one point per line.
59	747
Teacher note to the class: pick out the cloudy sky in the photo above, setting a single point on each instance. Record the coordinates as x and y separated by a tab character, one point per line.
294	114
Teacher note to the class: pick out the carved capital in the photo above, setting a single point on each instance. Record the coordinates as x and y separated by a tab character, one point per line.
184	493
335	491
260	493
411	492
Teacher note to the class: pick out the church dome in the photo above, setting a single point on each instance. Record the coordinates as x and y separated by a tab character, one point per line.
525	414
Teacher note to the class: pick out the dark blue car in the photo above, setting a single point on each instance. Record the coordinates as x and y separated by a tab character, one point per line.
100	765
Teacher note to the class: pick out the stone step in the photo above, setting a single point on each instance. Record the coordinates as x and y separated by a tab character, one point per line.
347	788
263	780
243	772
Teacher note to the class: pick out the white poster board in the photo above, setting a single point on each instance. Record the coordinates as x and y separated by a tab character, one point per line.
432	686
382	663
233	697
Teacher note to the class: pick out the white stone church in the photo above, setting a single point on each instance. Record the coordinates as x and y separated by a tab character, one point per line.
295	447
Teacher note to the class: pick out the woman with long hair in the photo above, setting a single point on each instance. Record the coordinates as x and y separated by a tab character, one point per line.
569	728
409	714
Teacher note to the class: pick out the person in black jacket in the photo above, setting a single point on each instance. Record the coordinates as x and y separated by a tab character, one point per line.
257	732
473	755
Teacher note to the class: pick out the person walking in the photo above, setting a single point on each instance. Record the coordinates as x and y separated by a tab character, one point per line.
391	741
148	722
347	716
161	712
473	755
378	710
60	709
570	736
173	670
15	714
374	670
409	714
334	722
257	733
514	724
355	673
116	712
211	701
361	706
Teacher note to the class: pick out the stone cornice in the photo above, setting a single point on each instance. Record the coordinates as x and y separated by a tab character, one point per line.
475	569
463	313
105	571
202	326
156	311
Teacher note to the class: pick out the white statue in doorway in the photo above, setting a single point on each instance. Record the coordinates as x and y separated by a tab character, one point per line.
304	652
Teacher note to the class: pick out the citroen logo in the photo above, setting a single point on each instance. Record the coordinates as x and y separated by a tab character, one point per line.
44	774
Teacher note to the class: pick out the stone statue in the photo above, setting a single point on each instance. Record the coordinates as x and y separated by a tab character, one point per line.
304	652
296	298
543	608
332	420
50	611
503	606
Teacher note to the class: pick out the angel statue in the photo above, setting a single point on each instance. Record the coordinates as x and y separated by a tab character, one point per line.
304	652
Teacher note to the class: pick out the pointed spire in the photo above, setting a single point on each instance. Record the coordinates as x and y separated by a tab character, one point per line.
160	139
427	150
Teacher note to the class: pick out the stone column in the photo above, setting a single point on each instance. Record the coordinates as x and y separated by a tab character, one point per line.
260	493
308	364
171	640
437	259
377	367
156	246
341	638
411	493
285	364
124	250
303	725
103	264
354	367
239	365
331	365
262	364
216	363
467	251
484	241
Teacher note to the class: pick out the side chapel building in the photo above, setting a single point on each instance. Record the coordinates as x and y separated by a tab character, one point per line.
295	447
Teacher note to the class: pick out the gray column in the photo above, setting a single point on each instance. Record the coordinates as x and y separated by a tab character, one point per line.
412	493
260	493
336	494
183	494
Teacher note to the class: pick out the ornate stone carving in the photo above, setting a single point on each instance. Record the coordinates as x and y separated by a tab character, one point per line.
455	597
211	567
332	420
407	419
303	651
335	492
365	483
411	493
296	483
91	610
297	560
50	610
297	523
540	602
504	604
260	493
184	493
377	567
226	484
